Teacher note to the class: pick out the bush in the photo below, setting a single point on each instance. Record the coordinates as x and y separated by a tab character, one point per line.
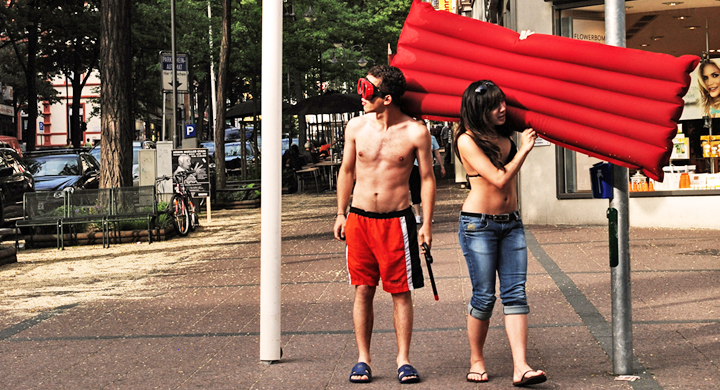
244	192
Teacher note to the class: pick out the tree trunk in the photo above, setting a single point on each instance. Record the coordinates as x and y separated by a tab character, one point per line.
76	134
221	92
116	94
31	79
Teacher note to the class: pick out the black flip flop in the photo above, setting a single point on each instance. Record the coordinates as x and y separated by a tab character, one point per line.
533	380
480	374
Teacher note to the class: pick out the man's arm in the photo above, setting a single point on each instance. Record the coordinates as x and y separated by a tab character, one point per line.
436	153
345	178
427	189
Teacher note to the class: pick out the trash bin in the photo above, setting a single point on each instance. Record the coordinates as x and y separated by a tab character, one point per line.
601	179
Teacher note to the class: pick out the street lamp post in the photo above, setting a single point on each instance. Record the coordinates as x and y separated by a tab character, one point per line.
362	62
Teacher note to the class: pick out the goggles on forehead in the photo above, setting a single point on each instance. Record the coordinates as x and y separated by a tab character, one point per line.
367	90
483	87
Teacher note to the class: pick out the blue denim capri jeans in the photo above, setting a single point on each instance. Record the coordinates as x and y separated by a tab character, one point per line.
492	248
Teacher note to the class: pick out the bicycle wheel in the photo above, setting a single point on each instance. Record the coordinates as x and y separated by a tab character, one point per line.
181	218
193	214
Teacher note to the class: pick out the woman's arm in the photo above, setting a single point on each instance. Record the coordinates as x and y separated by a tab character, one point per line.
473	156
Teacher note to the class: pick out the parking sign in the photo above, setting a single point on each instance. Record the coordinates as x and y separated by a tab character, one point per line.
189	131
181	71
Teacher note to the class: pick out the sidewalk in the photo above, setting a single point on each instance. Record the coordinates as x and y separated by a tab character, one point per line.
184	314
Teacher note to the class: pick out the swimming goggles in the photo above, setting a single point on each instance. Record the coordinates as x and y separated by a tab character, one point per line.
368	90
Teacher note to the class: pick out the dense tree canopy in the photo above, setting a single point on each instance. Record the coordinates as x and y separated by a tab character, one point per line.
321	49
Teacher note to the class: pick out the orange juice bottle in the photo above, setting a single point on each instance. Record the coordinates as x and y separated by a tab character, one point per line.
644	186
651	187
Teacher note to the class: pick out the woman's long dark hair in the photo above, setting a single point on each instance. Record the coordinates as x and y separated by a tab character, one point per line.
475	119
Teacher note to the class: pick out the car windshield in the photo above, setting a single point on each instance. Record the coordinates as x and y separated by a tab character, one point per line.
234	149
63	165
95	151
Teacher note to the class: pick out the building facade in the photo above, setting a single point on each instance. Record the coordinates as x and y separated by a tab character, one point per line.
554	184
53	128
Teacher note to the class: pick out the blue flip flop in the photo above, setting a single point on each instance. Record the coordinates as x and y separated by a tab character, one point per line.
361	369
407	370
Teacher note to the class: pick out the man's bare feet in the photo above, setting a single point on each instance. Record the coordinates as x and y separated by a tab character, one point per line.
361	373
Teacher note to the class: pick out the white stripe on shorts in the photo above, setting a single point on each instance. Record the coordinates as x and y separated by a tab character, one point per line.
408	258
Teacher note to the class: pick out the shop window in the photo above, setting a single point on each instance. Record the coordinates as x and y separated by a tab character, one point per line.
694	167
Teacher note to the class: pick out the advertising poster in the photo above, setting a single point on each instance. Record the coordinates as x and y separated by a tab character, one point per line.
444	5
191	167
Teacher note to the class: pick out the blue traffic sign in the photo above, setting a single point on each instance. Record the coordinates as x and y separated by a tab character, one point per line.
190	131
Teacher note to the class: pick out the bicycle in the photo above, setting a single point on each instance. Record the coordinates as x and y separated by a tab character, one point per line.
181	206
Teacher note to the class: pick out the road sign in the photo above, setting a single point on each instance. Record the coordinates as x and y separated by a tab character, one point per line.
181	72
41	127
190	131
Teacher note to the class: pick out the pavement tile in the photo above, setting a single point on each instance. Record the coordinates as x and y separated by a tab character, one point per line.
194	322
39	364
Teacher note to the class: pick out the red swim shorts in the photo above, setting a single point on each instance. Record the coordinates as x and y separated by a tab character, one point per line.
383	246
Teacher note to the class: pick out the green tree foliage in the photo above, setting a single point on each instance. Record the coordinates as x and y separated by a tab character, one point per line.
363	27
22	23
152	35
71	47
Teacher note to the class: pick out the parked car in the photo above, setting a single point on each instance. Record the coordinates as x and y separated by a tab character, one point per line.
233	133
137	145
63	168
11	142
15	180
233	153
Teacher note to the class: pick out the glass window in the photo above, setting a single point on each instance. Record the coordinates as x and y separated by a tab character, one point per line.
654	28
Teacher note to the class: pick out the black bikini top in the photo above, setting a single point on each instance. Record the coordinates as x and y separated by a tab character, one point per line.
511	155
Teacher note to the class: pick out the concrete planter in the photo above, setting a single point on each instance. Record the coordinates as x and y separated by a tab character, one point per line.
95	238
240	204
8	255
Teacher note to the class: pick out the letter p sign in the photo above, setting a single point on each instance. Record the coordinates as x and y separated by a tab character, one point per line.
189	131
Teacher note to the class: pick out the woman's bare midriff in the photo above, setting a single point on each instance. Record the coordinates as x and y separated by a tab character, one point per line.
485	198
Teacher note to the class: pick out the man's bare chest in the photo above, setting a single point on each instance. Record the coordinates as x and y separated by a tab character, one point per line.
393	149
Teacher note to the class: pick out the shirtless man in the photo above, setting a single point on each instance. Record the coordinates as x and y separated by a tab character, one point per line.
382	236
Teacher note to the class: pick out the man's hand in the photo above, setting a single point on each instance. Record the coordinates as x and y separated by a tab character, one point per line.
425	235
339	228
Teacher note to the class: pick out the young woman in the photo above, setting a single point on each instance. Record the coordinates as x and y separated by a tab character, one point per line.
709	80
491	231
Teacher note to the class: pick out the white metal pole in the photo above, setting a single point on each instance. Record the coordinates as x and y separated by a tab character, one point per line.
213	91
620	273
271	181
164	123
175	140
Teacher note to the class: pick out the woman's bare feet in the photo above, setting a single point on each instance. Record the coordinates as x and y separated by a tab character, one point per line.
477	377
528	377
477	372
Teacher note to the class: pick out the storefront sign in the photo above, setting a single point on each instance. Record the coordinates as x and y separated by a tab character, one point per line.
7	92
6	110
588	30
